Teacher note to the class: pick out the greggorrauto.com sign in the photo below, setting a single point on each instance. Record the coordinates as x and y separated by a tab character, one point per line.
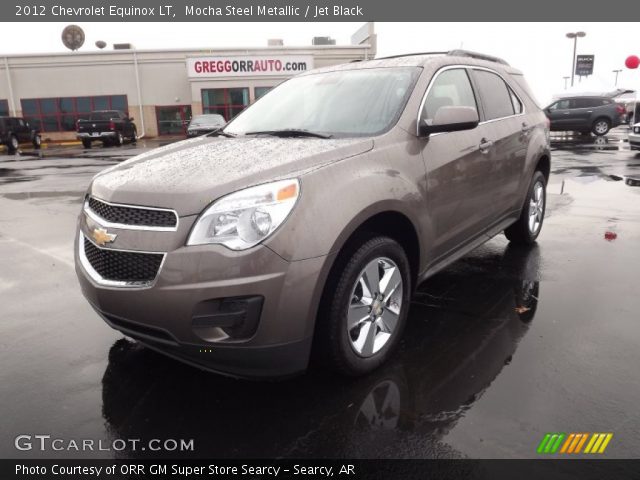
248	65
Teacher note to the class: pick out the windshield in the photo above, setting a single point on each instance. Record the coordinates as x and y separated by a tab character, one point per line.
341	104
207	120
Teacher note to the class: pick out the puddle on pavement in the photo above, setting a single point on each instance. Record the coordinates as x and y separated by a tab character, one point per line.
74	197
464	327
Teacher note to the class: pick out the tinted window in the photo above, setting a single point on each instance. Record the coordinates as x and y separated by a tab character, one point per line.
450	88
585	102
108	115
560	105
515	101
260	91
496	97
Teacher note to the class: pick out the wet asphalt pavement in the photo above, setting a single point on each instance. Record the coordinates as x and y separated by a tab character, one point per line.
505	345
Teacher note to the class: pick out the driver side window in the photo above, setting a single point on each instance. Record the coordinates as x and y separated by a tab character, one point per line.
451	88
560	105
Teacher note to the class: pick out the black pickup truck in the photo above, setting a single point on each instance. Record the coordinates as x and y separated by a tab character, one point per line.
110	127
15	130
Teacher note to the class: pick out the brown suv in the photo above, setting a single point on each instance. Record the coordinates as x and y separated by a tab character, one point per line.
307	222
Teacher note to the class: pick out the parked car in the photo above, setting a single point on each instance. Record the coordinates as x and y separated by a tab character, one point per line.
16	130
110	127
634	137
303	227
202	124
585	114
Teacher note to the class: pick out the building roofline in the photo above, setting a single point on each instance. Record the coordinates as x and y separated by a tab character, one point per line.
191	51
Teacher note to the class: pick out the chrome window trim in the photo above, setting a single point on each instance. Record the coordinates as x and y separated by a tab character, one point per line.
476	93
98	279
124	226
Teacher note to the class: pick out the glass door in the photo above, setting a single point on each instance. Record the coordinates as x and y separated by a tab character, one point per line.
173	119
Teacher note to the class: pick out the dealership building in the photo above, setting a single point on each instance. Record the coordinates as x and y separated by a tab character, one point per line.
160	89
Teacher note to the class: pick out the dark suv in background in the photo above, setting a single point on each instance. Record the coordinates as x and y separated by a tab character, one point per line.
15	130
585	114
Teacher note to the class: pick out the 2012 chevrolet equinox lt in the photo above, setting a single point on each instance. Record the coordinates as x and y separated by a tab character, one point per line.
308	221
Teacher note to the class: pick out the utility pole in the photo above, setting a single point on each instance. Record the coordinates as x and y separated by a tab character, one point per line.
616	72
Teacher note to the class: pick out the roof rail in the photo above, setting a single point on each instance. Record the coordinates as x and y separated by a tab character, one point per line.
453	53
479	56
412	55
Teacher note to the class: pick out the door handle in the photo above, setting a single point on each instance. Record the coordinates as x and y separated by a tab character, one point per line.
485	145
526	128
567	113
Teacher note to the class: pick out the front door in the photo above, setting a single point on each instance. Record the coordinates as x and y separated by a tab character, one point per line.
458	196
560	115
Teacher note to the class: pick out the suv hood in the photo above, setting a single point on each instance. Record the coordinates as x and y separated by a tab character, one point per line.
187	176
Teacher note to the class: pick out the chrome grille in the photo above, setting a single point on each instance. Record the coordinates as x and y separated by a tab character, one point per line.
133	216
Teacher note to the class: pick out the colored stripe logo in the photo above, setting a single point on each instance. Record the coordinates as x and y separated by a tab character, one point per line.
573	443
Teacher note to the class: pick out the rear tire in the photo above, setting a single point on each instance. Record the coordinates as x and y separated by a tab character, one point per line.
601	126
119	140
134	137
86	143
527	228
364	306
37	142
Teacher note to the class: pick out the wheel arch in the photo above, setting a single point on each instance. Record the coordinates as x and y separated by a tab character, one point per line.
388	222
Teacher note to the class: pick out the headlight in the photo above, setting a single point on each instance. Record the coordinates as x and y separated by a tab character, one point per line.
245	218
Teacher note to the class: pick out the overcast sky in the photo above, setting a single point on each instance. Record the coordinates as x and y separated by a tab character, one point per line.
539	49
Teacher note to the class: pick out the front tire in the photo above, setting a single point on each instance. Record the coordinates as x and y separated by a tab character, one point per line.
86	143
365	305
527	228
13	144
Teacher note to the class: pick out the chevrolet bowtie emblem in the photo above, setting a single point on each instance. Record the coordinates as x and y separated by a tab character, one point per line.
102	237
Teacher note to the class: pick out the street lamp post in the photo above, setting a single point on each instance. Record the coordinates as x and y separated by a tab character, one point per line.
616	72
575	36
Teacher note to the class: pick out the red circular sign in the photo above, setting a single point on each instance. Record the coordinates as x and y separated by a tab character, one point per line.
632	61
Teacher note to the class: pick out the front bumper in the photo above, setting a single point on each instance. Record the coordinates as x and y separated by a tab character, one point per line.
163	314
96	135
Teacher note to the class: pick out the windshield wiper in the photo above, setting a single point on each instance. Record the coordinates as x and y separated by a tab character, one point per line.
290	132
220	132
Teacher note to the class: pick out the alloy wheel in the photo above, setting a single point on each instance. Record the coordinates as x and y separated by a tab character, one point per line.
536	208
601	127
374	310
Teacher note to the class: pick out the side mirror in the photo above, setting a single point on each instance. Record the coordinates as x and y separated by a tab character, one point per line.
131	119
450	119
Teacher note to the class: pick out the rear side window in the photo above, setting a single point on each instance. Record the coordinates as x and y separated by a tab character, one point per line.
515	101
587	102
496	96
451	88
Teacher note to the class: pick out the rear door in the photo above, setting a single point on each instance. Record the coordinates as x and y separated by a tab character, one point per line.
507	131
581	112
